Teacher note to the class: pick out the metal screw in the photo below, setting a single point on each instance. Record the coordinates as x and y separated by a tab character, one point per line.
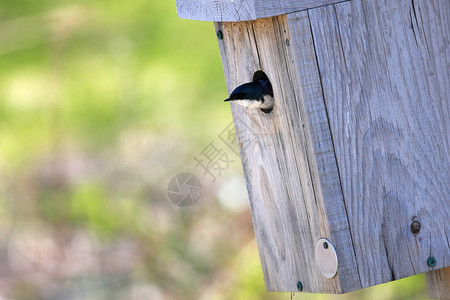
431	261
219	34
288	43
299	286
325	245
415	227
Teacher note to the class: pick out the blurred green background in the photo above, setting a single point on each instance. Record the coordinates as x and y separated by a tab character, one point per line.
101	104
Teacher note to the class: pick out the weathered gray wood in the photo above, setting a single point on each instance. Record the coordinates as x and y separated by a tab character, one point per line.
242	10
320	150
357	146
216	10
265	8
384	68
284	160
438	283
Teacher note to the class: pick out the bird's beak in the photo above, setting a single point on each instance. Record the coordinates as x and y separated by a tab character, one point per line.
228	99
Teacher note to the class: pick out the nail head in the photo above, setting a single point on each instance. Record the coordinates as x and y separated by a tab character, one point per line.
415	227
299	286
219	34
431	262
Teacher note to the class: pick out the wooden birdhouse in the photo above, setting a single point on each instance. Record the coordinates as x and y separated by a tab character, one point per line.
349	175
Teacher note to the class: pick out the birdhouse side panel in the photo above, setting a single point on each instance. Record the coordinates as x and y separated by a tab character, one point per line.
284	164
384	67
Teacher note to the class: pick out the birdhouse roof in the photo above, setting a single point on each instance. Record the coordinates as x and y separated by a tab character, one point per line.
242	10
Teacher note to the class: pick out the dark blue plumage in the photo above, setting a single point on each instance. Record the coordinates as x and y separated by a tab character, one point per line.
255	94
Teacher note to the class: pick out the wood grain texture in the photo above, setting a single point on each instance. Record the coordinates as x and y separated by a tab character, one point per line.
283	157
216	10
270	8
438	283
357	146
384	68
322	161
242	10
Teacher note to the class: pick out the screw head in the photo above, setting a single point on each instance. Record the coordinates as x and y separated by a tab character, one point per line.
219	34
299	286
431	261
415	227
325	245
288	43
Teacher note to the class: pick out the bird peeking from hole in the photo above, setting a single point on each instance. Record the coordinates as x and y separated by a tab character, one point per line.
255	94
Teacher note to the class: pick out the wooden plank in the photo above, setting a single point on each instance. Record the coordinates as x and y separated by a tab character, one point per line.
276	191
438	283
384	68
287	201
242	10
322	161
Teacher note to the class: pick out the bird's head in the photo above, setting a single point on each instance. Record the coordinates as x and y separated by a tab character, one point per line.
255	94
247	91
